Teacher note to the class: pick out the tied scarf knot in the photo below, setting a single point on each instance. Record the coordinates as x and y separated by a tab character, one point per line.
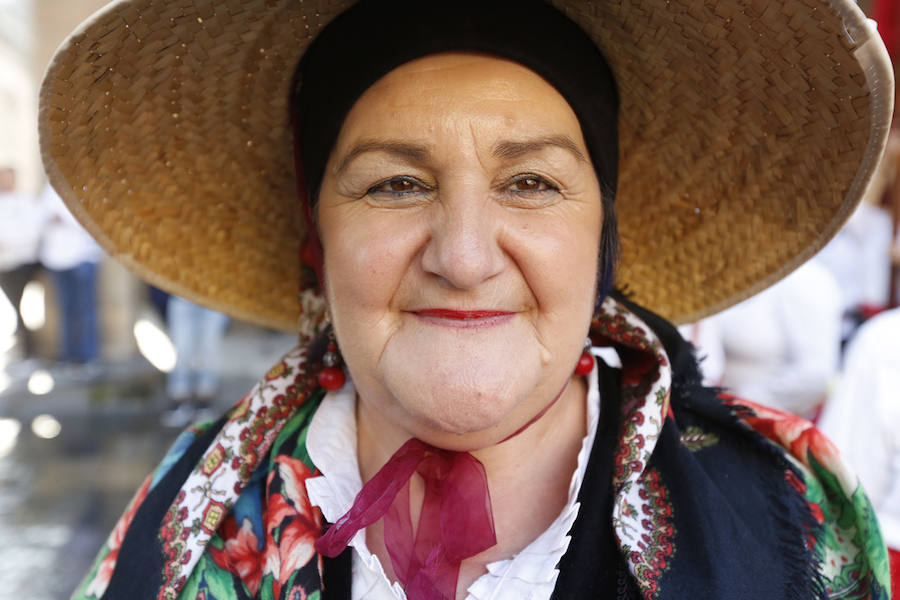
455	522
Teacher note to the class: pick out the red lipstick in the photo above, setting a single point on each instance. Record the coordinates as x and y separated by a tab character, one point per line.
462	315
464	319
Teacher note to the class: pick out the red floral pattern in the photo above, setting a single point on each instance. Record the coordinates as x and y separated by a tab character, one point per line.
849	543
229	463
656	548
642	516
240	553
796	434
292	524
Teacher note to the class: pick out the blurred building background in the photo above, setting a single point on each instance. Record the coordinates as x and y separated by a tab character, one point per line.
78	436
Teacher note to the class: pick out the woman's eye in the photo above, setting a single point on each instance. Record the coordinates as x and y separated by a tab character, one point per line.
531	190
397	188
397	185
530	184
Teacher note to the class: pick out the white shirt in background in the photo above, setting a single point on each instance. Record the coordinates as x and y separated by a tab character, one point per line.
862	417
781	347
859	257
65	243
21	220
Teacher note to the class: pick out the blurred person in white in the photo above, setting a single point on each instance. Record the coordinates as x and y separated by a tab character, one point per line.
859	259
196	333
71	255
859	255
20	231
780	347
862	417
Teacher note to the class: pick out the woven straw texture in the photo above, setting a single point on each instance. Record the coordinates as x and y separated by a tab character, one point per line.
749	131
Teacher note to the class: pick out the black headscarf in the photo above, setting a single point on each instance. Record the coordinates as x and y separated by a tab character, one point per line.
350	55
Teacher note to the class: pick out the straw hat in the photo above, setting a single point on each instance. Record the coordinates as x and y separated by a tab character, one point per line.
748	134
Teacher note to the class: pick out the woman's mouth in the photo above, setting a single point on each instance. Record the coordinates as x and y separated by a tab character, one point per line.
447	317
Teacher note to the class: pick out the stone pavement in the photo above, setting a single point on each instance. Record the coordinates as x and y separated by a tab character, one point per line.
61	496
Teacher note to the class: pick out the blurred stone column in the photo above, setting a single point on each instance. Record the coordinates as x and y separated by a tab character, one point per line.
120	295
18	96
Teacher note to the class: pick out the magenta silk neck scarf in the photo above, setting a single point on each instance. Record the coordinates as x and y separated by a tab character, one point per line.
456	521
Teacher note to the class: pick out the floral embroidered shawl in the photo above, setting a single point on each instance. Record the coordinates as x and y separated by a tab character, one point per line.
712	495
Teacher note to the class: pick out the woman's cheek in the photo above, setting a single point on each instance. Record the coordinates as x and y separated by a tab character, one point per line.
366	261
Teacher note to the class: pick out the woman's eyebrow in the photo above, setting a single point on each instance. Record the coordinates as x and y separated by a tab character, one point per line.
515	148
413	152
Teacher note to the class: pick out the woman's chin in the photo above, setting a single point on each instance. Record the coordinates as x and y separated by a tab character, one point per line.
451	385
448	414
462	397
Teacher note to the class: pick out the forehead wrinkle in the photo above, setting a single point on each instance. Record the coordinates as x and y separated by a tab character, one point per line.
413	152
478	154
508	149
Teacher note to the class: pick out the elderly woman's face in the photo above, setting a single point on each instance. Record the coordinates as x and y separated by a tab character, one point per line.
460	217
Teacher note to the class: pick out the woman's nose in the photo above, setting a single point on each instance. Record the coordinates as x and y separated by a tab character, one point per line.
464	248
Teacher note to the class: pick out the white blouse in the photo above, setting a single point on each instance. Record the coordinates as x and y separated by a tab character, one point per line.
781	346
862	415
529	575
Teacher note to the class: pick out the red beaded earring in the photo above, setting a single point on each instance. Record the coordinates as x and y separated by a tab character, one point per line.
586	360
332	376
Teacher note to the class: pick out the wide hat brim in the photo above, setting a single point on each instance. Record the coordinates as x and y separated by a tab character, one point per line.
748	134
